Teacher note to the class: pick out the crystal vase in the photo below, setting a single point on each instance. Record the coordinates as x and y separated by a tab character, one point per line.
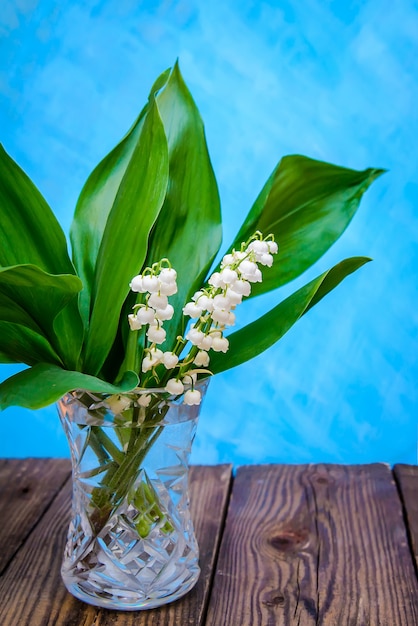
131	543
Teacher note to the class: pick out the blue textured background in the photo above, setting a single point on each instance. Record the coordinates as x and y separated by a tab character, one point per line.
330	79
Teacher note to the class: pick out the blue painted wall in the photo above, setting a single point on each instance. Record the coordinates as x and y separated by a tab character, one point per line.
333	80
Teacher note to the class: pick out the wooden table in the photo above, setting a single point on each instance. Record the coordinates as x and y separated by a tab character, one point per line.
289	545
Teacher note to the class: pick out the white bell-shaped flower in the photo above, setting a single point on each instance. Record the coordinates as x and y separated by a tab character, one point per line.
192	310
168	275
165	314
233	297
144	399
174	387
168	289
201	359
216	281
195	336
150	283
242	287
190	378
118	403
273	247
145	315
134	322
206	343
205	303
157	301
259	247
220	315
247	269
156	333
227	260
220	344
221	302
170	360
257	277
266	259
228	276
192	396
136	284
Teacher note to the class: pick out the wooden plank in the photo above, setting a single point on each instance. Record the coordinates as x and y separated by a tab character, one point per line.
407	480
27	487
309	545
32	594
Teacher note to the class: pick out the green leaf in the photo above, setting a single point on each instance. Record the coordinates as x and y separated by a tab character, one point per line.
96	201
21	344
188	230
39	299
254	338
29	231
307	205
124	245
44	384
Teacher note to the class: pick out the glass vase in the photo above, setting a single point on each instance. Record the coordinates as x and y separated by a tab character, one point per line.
131	543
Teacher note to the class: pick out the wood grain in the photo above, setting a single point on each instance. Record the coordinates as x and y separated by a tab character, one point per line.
31	591
309	545
27	487
407	480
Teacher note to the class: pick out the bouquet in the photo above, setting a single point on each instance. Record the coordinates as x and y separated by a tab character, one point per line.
140	314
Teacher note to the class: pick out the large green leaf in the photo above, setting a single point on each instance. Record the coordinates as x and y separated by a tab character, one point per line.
29	231
96	200
44	384
10	311
124	244
44	297
188	230
307	205
20	344
254	338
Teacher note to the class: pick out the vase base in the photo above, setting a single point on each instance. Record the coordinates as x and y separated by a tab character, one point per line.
120	600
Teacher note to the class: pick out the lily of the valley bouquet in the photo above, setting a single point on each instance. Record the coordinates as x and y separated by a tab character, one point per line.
139	315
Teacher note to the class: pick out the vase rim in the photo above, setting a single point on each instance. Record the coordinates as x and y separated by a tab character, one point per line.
91	408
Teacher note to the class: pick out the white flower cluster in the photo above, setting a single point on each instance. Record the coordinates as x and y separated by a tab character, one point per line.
157	285
212	308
